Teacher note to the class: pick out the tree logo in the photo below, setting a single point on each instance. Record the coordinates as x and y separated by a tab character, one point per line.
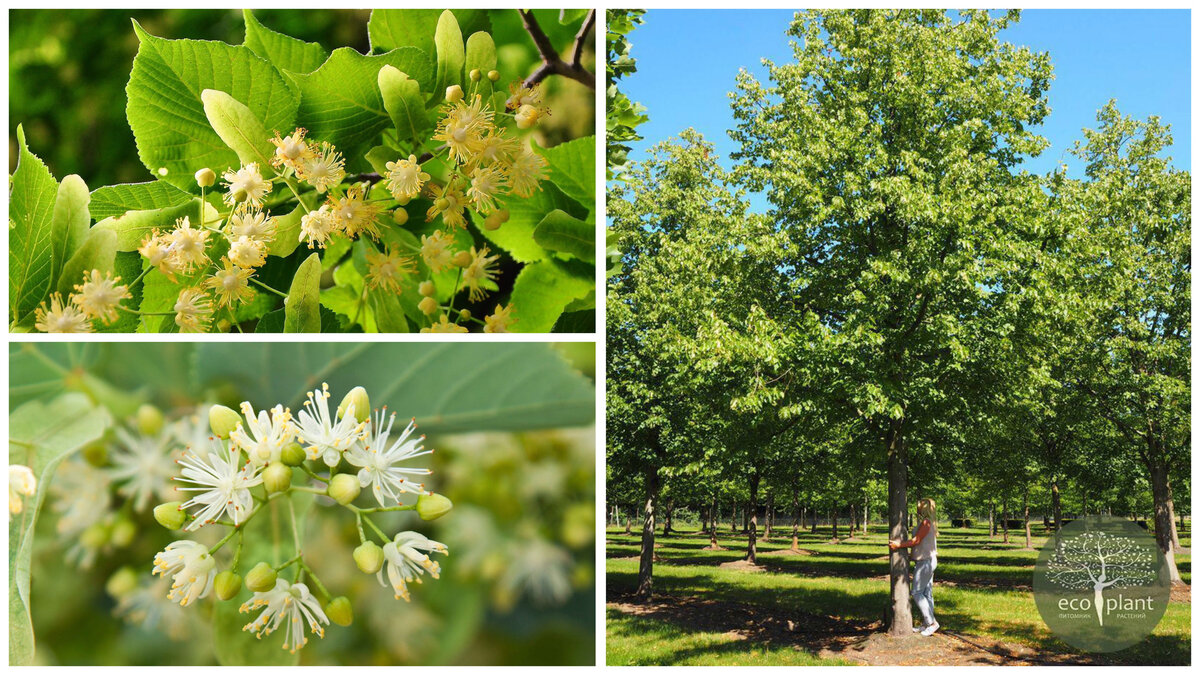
1101	584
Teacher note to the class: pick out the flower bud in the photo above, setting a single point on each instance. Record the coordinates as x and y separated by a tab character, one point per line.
149	420
223	420
427	289
123	533
494	75
454	93
343	488
495	219
369	557
96	453
170	515
441	203
277	477
261	578
464	314
227	584
433	506
122	582
240	196
428	306
400	216
362	404
462	258
95	536
475	75
205	177
293	454
339	611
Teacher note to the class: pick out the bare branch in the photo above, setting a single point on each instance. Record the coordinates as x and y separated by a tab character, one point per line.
552	63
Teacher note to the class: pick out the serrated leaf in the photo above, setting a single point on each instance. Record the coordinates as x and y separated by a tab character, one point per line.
448	46
391	28
573	168
447	386
98	252
301	313
543	290
30	212
40	436
239	129
115	200
133	227
70	223
283	51
403	101
340	101
561	232
167	116
516	235
481	56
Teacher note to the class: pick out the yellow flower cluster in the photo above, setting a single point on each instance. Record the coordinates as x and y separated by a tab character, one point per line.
97	298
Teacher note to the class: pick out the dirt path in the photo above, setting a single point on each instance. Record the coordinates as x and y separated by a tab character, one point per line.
830	637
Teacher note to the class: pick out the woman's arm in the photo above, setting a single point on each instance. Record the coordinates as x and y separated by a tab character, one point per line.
921	533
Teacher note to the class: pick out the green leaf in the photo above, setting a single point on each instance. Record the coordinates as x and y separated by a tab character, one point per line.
301	313
561	232
573	168
239	129
391	28
516	235
544	289
340	101
387	312
283	51
287	233
98	252
567	17
115	200
40	436
70	223
447	386
166	113
403	101
134	226
30	212
448	43
481	56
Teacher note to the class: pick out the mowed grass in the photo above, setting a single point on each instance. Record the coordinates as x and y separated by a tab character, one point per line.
982	588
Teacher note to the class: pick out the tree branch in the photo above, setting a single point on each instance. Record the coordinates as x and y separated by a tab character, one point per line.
552	63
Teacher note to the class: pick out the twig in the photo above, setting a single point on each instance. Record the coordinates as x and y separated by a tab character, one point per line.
552	63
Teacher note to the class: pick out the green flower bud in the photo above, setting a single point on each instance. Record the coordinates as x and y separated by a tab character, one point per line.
205	178
149	420
454	93
227	584
240	196
428	305
96	453
433	506
123	533
223	420
343	488
475	75
427	289
261	578
495	219
494	75
277	477
369	557
95	536
462	258
362	404
170	515
339	611
400	216
464	314
122	582
293	455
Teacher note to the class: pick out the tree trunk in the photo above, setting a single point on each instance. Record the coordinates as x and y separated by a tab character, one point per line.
1028	534
897	468
746	518
833	514
865	515
1162	516
992	519
752	543
646	563
770	517
1005	519
1056	503
1171	512
714	516
670	510
813	514
733	517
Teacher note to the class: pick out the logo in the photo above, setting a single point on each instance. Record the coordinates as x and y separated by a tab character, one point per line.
1101	584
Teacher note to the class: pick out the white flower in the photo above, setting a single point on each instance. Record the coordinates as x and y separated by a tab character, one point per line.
406	562
142	466
290	604
223	488
246	186
379	461
538	568
80	497
192	567
263	438
20	483
326	437
149	606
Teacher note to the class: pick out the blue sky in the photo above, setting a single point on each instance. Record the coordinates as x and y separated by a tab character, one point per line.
687	60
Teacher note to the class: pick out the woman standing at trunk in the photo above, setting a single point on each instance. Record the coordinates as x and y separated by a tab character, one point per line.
924	554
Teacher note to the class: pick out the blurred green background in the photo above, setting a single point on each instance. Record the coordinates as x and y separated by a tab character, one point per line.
517	588
68	69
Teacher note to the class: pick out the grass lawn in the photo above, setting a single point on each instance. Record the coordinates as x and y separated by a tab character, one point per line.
982	588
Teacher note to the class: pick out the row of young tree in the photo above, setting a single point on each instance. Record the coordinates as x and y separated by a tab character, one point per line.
914	308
